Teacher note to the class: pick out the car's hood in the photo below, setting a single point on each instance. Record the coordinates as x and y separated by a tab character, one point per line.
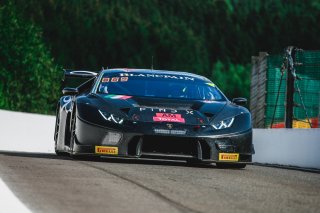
150	109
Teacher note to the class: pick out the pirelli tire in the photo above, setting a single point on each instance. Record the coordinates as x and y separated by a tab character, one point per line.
231	165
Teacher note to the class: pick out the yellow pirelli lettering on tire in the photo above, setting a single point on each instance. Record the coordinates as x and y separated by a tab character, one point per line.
106	150
228	157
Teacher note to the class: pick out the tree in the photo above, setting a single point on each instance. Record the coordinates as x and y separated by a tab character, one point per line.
29	78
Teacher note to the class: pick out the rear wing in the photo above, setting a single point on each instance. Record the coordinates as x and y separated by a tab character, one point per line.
75	78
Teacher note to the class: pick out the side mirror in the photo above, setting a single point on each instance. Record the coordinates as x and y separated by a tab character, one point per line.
70	91
240	101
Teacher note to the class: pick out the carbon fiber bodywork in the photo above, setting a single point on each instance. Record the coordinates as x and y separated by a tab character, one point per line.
89	123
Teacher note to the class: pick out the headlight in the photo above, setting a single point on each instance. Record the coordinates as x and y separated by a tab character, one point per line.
226	123
111	117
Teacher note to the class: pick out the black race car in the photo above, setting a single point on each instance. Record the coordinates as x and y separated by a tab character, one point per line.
154	114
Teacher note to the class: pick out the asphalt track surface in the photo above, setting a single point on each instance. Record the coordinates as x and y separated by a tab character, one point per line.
48	183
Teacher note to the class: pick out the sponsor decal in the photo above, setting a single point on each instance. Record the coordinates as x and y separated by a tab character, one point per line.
156	76
188	112
172	131
228	156
168	117
124	79
106	150
115	79
211	84
105	80
158	110
123	97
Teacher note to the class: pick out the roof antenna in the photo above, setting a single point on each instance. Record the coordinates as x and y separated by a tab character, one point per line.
151	62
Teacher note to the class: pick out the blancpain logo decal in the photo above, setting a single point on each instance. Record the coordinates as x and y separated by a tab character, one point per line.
156	76
190	112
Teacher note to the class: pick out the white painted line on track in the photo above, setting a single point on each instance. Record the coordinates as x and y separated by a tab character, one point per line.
9	202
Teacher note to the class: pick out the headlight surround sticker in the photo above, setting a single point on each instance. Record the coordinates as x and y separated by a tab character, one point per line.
226	123
111	117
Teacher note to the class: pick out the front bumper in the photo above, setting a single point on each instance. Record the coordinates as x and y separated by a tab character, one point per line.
91	139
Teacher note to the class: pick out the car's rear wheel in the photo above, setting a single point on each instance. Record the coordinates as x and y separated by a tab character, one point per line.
231	165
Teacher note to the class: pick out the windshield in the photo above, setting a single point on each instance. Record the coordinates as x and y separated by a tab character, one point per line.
159	85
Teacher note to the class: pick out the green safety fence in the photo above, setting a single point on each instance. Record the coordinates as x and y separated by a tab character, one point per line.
308	82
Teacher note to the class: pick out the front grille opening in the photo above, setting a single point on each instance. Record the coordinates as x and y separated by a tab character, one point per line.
132	146
169	145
